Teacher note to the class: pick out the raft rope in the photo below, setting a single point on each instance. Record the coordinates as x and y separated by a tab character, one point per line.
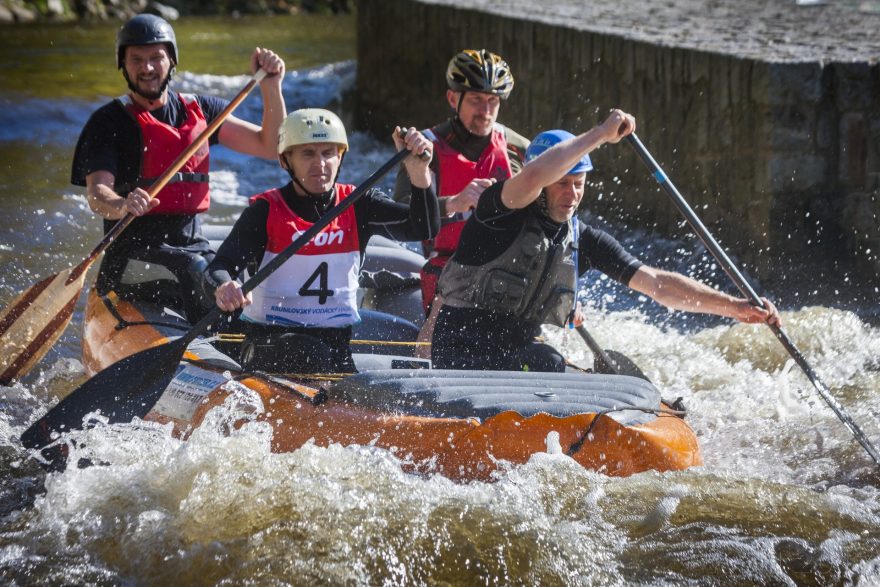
110	301
121	323
578	367
671	411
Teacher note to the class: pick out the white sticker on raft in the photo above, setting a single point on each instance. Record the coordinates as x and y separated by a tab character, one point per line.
552	442
186	391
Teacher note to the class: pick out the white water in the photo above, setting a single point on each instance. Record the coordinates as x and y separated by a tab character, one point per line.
786	495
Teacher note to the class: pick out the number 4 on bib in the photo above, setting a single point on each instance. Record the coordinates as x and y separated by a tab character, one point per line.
323	292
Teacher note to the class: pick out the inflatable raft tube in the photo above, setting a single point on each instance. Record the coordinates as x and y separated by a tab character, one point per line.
464	425
463	436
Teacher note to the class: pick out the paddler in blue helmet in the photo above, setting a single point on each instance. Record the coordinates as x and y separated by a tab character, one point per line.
520	254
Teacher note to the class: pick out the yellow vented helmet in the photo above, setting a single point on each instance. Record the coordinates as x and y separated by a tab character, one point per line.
311	125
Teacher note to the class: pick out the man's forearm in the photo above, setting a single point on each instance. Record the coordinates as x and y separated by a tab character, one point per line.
274	112
678	292
103	200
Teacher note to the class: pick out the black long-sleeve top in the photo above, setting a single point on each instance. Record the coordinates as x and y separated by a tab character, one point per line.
375	213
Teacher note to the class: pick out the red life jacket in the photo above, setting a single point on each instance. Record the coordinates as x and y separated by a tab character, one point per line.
456	171
318	286
162	143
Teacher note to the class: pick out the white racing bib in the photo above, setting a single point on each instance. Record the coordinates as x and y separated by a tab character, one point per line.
316	287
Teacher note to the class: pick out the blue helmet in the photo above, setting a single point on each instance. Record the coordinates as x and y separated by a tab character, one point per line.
547	139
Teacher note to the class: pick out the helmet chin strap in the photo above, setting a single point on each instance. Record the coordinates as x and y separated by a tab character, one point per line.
458	107
458	114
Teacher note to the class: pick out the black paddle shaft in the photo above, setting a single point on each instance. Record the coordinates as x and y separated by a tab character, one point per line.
131	387
715	249
604	360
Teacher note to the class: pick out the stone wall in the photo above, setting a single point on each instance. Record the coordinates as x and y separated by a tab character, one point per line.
780	159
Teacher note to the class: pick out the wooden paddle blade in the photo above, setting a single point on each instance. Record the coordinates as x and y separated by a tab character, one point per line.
122	391
35	320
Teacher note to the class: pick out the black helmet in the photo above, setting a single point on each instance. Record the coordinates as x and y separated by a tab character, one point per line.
479	71
145	29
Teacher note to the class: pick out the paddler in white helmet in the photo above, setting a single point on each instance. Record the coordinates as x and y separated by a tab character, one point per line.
300	318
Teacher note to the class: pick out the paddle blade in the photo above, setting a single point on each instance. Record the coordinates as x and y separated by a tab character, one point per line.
125	389
622	365
35	319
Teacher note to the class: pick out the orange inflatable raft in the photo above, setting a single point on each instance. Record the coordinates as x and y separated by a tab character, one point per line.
461	424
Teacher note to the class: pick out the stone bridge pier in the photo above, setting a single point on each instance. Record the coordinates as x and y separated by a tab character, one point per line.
765	113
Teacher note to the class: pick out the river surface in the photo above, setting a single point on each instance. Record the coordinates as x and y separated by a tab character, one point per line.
786	496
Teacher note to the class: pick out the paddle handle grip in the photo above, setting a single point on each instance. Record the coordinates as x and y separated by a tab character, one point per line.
425	156
181	160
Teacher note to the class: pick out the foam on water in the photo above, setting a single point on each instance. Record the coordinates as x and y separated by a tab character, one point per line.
786	495
222	506
753	409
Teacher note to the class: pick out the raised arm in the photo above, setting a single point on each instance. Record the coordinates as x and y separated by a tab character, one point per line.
246	137
420	218
524	188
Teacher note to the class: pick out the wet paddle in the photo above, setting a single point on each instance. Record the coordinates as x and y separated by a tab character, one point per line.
715	249
36	318
131	387
607	361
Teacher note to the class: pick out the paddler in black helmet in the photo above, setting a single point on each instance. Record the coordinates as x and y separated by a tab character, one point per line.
299	320
132	140
520	254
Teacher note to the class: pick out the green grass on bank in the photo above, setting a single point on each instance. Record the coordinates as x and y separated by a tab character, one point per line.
77	60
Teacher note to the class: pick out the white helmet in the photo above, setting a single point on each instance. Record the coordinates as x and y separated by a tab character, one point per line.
311	125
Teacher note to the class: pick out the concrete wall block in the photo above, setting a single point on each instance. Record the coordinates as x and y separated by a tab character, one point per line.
860	222
667	59
799	140
719	86
793	127
860	216
738	81
698	67
796	173
867	257
853	157
758	142
759	83
874	125
853	86
826	129
793	83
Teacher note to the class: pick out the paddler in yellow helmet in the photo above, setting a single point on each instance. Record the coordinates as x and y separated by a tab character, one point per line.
300	318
